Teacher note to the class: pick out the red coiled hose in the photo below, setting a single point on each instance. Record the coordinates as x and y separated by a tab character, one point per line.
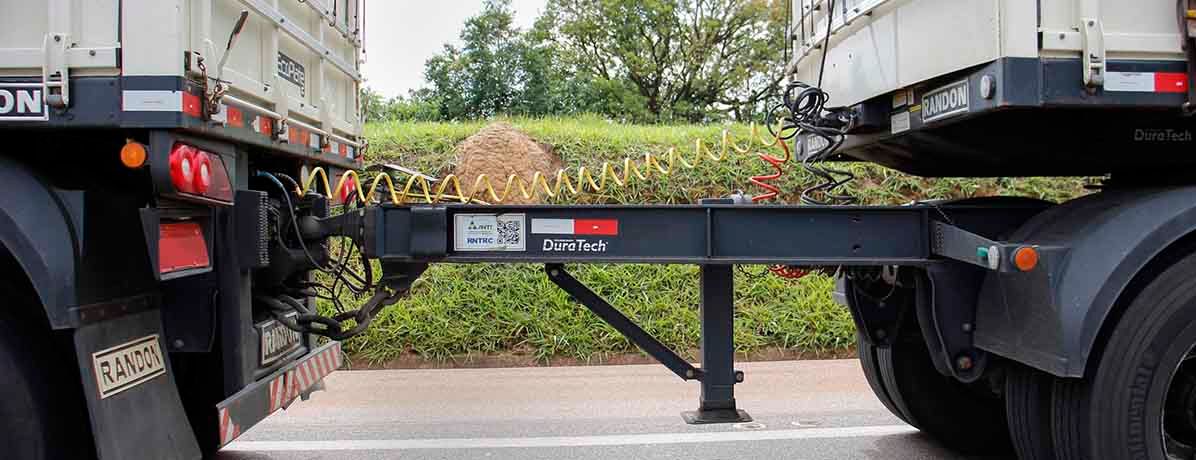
762	181
772	190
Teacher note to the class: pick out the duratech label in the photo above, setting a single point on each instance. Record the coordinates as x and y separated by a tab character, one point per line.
125	366
946	102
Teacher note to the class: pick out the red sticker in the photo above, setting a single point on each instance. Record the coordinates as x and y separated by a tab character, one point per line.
191	104
606	227
1170	82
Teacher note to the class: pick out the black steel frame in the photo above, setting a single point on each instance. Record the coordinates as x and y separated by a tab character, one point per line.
715	235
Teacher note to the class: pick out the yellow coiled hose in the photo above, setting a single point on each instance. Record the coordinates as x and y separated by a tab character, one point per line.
483	191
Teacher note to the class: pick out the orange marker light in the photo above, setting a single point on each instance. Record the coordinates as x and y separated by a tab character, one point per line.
132	155
1025	258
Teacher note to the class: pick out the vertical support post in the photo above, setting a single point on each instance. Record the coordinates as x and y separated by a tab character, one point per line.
717	401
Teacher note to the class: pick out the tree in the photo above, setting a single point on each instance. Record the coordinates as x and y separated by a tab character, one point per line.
496	70
686	59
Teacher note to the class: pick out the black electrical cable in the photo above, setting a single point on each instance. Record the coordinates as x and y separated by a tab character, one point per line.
286	195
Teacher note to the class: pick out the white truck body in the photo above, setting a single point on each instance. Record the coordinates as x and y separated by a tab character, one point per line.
296	60
881	46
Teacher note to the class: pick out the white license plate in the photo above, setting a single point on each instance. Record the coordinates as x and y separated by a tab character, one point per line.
277	340
22	102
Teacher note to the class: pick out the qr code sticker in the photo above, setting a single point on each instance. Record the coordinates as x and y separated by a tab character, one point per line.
510	232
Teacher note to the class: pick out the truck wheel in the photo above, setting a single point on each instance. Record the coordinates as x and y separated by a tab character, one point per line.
42	414
965	417
1028	412
870	362
1140	401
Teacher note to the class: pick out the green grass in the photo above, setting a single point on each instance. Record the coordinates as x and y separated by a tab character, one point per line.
486	308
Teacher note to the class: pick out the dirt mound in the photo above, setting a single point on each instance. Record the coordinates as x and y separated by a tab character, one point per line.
500	150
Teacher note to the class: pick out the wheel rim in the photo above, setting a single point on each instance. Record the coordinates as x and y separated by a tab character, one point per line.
1179	410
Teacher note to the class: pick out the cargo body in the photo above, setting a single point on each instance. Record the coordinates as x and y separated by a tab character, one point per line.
147	236
1071	85
289	83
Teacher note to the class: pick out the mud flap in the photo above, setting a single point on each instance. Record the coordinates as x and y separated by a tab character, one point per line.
134	405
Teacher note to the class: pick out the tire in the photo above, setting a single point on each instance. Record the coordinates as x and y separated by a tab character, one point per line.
42	413
967	418
1028	412
1142	390
872	373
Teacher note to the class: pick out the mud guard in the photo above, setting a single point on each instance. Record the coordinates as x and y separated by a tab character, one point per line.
1050	318
36	227
131	395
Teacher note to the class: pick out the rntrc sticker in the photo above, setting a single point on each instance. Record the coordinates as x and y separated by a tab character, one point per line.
22	102
125	366
292	71
946	102
489	232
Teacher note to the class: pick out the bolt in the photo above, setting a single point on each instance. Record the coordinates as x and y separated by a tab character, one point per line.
964	363
91	53
967	327
1062	36
689	373
178	343
554	272
880	334
57	38
738	376
1091	23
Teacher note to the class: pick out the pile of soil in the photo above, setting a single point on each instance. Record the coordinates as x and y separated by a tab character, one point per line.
498	151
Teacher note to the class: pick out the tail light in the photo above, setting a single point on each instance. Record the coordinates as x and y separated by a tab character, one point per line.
196	172
181	246
203	172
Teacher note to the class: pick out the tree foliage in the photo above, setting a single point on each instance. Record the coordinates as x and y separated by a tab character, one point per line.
635	60
683	58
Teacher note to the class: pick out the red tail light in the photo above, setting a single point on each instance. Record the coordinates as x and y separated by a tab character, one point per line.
182	167
203	172
196	172
181	246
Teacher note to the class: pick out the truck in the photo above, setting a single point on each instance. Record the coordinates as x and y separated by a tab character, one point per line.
163	277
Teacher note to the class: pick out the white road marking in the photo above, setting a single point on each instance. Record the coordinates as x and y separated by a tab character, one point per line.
571	441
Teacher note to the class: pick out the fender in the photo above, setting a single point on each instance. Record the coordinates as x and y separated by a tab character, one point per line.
1050	318
37	229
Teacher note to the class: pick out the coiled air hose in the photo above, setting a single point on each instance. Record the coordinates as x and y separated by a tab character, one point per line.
562	184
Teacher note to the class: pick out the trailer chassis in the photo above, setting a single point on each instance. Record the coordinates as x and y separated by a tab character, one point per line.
953	245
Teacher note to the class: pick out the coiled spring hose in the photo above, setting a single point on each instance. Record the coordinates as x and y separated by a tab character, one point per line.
562	183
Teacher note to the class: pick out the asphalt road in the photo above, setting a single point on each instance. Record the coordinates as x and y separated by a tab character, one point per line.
803	410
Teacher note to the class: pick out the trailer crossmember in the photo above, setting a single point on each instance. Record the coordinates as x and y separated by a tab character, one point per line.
715	235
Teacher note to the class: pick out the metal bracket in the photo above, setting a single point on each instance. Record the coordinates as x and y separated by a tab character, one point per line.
956	243
717	375
877	317
1092	34
947	298
612	316
55	72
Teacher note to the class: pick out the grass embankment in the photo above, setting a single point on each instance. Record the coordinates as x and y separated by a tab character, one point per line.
463	309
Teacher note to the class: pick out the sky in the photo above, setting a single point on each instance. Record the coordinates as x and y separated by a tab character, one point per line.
401	34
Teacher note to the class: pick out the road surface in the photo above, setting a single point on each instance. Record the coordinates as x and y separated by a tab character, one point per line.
803	410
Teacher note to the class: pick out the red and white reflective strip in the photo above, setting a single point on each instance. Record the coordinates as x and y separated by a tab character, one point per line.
599	227
228	428
287	387
1146	82
249	406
